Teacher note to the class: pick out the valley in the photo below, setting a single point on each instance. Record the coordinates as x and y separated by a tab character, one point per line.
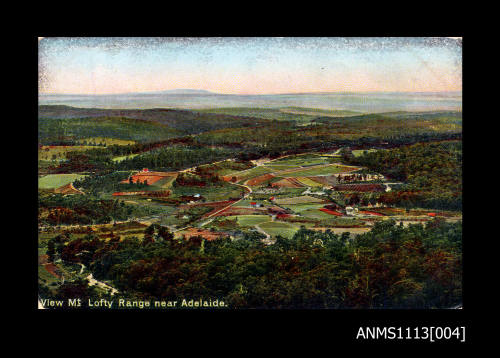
119	179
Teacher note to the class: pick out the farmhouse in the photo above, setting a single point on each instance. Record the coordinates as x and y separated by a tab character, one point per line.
350	210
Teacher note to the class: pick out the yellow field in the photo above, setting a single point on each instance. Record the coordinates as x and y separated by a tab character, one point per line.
107	141
308	182
58	152
298	200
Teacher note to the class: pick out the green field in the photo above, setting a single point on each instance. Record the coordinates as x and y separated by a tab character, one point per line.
252	173
326	170
316	214
211	193
299	208
53	181
274	228
280	167
165	183
250	220
360	152
58	153
246	202
301	160
309	182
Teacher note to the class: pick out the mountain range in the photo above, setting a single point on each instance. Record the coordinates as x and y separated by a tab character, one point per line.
202	99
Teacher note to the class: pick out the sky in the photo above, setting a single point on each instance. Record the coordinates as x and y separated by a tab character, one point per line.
249	65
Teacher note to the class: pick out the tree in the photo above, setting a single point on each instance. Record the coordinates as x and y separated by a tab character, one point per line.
51	250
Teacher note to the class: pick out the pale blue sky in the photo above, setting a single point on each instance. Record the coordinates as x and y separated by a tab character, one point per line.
249	65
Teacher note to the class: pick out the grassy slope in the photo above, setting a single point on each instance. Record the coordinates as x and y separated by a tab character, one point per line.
57	180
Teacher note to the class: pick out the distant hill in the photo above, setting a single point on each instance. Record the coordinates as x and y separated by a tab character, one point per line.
201	99
179	91
177	121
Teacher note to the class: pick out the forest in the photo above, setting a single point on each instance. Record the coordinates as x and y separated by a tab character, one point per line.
58	209
433	172
391	266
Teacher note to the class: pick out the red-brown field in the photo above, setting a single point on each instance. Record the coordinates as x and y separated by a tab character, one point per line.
151	177
260	179
52	269
331	212
206	234
324	180
371	213
287	183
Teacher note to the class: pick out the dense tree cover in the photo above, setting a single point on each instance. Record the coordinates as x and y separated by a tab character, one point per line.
224	166
250	141
105	183
58	209
392	124
121	150
432	171
62	119
91	160
175	158
52	130
162	158
189	179
389	267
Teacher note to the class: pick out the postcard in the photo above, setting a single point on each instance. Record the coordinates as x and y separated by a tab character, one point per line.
223	173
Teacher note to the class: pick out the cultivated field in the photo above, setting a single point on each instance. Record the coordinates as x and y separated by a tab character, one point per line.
319	170
58	152
298	200
283	229
250	220
53	181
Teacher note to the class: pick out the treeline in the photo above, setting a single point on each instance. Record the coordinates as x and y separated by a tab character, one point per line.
189	179
389	267
242	143
106	183
67	129
162	158
432	171
120	150
58	209
175	158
